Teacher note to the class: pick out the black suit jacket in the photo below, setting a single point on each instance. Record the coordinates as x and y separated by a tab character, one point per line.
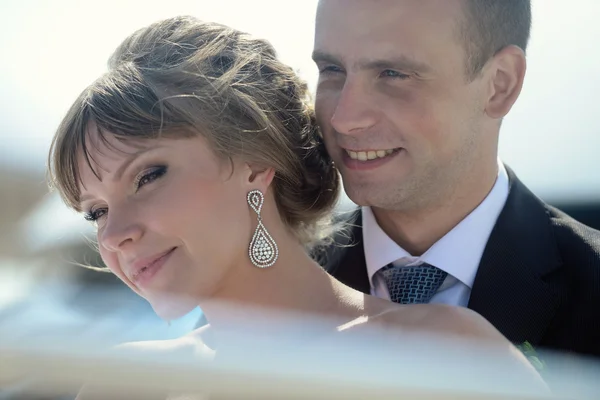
538	279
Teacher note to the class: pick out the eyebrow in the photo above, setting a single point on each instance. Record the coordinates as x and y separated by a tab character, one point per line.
401	62
122	168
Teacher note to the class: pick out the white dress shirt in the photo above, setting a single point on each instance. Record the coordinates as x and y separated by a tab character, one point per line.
458	253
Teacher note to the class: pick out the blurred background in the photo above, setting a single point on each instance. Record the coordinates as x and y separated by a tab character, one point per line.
51	50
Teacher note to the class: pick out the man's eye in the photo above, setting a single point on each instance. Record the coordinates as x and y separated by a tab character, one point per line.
330	69
390	73
150	176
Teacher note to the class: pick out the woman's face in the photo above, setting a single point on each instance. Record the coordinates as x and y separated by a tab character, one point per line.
172	218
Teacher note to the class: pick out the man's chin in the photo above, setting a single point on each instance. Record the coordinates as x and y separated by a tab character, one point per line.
363	195
377	195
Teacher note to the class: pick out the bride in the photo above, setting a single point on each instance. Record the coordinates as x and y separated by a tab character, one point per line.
198	159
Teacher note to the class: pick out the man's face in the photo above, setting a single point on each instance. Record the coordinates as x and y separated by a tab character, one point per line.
399	116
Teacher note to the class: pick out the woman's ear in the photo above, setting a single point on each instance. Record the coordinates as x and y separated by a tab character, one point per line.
259	177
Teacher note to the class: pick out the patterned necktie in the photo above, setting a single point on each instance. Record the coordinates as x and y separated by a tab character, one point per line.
412	285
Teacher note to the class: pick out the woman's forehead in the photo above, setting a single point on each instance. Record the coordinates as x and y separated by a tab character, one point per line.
102	151
104	142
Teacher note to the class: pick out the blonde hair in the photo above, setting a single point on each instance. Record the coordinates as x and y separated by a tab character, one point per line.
182	77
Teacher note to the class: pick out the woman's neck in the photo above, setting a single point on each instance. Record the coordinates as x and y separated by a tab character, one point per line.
293	289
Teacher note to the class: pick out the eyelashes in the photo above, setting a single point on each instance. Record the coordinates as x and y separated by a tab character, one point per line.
149	176
385	73
146	177
330	69
94	215
393	74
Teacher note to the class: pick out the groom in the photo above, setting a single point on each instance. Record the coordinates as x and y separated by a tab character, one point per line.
410	98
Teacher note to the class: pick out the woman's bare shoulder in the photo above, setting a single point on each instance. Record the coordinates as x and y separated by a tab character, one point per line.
185	347
193	343
435	318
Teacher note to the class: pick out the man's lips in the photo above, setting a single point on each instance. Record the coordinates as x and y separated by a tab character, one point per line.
366	155
366	160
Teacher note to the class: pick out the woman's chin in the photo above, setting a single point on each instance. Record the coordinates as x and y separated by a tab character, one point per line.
172	309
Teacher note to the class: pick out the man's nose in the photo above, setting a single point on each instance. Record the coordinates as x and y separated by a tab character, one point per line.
354	111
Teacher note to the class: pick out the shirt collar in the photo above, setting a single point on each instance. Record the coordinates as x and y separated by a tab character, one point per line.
458	252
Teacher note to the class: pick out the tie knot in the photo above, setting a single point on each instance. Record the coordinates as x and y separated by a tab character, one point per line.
414	284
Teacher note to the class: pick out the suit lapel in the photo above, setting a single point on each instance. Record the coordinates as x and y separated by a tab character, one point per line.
346	260
509	289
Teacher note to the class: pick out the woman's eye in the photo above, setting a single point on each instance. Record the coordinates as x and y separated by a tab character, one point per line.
149	176
95	215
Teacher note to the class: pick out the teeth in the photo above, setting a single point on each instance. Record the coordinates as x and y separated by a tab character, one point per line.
369	155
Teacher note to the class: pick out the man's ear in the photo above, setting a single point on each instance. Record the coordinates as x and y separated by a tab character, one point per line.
259	177
507	73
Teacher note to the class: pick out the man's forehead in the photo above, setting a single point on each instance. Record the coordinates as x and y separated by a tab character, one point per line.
365	16
359	32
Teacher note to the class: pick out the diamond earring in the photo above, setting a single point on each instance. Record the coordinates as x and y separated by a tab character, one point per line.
263	250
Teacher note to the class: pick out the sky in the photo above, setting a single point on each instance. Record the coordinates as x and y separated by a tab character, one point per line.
51	50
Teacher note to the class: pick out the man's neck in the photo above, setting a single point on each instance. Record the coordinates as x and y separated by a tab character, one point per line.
417	229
